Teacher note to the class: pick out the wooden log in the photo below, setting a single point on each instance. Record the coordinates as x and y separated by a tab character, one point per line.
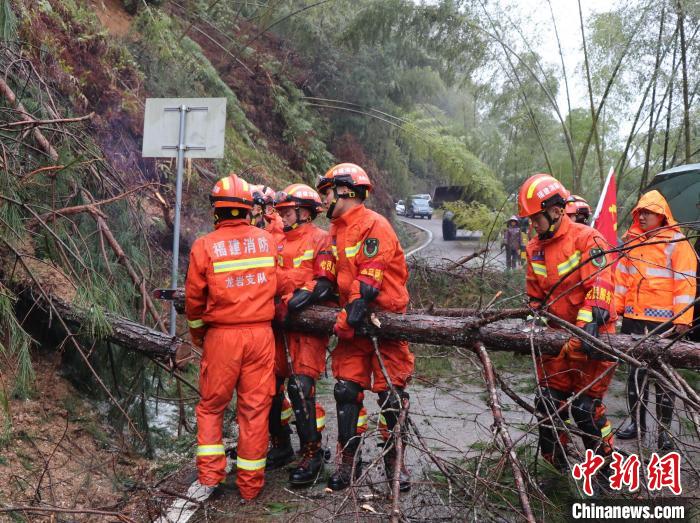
503	335
506	335
124	332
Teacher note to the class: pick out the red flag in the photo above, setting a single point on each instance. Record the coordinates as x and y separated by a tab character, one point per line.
605	217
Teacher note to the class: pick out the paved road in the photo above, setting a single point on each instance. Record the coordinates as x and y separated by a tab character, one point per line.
438	250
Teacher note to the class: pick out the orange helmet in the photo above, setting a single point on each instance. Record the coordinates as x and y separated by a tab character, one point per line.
231	191
299	195
539	192
262	194
347	174
576	206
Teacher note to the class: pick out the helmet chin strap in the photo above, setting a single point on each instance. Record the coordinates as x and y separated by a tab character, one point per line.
297	223
331	207
549	233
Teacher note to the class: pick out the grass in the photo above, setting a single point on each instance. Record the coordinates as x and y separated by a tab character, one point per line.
431	362
277	508
692	377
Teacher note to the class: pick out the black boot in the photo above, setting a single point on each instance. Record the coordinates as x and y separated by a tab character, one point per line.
281	451
340	479
390	463
630	431
635	384
348	396
309	467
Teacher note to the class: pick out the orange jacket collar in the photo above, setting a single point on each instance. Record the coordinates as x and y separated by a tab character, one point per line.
231	223
351	215
298	231
563	229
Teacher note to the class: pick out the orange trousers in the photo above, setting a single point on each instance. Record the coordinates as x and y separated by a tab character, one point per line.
308	354
355	360
240	359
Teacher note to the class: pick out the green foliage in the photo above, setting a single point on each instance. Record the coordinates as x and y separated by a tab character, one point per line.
475	216
175	66
302	129
91	296
15	345
447	159
8	22
440	36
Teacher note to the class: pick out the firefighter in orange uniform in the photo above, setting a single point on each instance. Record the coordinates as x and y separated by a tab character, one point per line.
230	291
577	209
305	275
372	275
654	282
561	279
264	215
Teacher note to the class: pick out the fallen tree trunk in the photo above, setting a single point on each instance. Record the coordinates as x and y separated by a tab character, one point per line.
503	336
129	334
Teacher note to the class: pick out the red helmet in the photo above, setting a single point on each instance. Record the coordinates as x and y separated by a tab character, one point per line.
539	192
299	195
577	205
231	191
347	174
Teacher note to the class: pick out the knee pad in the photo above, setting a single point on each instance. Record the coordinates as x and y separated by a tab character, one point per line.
348	396
348	392
305	382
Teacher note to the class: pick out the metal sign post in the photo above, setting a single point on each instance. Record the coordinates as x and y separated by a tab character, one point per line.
207	130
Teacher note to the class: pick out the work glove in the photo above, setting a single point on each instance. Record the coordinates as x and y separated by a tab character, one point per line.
341	327
197	334
300	299
357	311
324	290
600	317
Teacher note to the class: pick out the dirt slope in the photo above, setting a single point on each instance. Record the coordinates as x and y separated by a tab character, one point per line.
56	451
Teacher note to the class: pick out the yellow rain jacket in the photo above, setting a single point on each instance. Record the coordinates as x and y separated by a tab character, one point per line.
655	278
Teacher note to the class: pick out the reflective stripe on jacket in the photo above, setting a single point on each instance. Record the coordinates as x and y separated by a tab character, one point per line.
655	278
231	278
560	265
367	250
304	254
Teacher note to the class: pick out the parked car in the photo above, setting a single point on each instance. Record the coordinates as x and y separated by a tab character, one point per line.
419	207
400	208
